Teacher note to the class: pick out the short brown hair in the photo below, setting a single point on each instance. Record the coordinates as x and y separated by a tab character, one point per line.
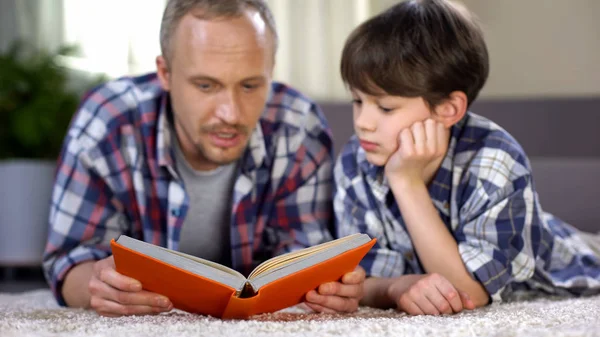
177	9
417	48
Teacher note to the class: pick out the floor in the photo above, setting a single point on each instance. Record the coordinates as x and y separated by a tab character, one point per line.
19	279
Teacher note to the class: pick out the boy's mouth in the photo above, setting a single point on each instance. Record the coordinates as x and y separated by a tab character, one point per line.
368	146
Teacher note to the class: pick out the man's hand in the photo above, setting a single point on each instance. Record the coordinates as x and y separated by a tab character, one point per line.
338	296
431	294
419	148
113	294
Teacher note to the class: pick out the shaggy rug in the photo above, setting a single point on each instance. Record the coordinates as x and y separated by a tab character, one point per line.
35	313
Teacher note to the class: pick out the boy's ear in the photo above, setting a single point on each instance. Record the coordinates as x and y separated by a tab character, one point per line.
452	110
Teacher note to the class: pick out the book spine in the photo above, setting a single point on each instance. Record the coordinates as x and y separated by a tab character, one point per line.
240	308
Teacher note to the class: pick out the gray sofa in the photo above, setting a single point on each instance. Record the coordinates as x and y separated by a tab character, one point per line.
560	136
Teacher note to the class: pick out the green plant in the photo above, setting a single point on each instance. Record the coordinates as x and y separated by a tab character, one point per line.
36	105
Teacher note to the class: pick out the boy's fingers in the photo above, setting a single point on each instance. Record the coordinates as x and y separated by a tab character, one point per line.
407	142
408	305
466	300
450	294
431	135
442	138
418	132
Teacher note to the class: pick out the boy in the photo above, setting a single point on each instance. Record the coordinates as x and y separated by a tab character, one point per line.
448	194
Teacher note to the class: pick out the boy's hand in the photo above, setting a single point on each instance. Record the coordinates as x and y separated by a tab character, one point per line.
338	296
418	146
113	294
431	294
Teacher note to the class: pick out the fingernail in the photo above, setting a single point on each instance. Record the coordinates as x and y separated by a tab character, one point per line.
135	286
162	301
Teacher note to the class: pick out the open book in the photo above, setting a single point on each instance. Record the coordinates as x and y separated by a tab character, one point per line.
201	286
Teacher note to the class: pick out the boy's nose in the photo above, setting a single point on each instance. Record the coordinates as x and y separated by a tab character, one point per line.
365	120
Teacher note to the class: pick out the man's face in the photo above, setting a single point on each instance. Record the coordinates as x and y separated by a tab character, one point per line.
378	121
219	79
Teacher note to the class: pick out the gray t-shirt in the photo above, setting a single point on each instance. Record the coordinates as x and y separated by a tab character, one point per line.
205	232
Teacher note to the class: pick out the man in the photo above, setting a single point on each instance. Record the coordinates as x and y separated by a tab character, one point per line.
207	156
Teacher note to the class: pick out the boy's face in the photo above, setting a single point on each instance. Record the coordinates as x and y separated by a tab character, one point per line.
378	121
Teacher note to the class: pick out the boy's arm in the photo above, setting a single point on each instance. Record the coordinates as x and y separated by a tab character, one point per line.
427	231
495	238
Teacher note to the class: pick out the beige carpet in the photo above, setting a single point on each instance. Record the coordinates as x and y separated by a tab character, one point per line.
36	314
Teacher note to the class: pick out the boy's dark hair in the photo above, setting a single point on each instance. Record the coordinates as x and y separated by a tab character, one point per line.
417	48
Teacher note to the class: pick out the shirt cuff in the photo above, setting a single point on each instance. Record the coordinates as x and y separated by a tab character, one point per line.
65	263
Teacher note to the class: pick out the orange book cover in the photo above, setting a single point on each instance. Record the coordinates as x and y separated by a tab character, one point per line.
197	294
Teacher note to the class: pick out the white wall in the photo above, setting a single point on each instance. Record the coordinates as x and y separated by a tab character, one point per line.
539	47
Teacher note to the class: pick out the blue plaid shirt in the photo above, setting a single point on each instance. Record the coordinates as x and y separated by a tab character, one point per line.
116	175
484	193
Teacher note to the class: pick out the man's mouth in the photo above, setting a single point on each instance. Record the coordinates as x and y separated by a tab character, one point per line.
226	139
226	135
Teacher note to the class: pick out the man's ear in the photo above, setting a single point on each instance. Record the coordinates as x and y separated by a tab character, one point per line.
162	70
452	109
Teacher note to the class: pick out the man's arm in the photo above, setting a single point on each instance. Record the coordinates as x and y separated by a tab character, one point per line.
84	216
74	293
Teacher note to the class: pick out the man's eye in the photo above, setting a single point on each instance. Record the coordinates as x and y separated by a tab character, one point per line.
204	86
250	87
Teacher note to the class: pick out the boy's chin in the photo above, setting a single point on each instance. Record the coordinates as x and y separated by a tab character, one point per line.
376	159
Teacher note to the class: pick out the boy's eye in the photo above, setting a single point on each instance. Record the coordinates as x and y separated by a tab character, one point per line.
356	101
386	110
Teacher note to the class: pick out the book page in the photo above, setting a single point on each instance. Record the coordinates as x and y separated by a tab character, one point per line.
196	265
303	261
285	259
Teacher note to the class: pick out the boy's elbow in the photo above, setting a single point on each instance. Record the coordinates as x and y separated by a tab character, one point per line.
481	300
479	296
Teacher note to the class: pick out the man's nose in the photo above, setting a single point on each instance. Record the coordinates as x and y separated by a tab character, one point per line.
228	108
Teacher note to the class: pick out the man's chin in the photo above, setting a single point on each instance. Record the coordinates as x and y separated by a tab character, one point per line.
225	157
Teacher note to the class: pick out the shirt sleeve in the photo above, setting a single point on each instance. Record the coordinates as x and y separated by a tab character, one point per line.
83	211
499	225
353	215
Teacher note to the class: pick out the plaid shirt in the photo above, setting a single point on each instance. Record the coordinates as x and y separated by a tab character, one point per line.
484	194
116	175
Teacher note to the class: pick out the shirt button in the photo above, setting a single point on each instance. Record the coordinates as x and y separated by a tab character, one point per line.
175	212
408	255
